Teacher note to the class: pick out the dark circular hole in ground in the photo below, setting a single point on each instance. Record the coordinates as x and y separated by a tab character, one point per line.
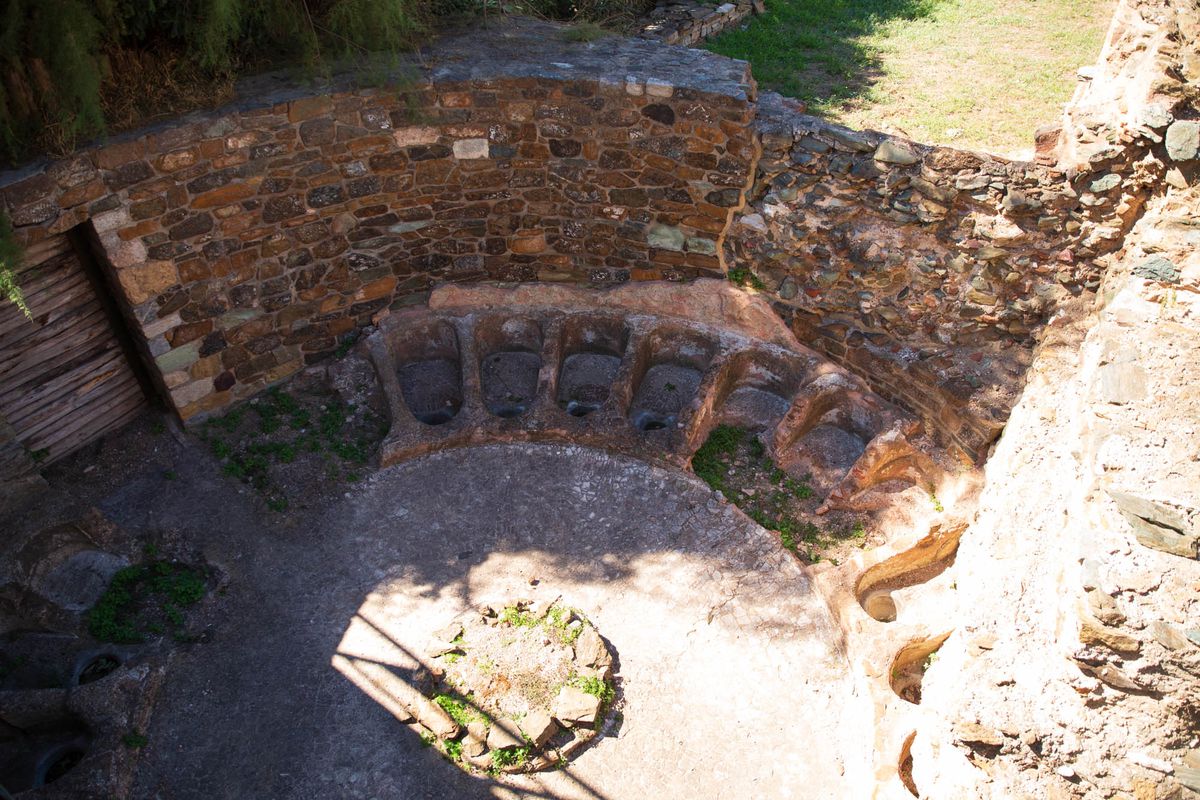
42	753
58	763
579	409
645	420
97	668
439	417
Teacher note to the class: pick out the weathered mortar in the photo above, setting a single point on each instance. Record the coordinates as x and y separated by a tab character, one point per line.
246	241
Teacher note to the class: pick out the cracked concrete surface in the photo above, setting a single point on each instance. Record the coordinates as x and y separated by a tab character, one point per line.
731	678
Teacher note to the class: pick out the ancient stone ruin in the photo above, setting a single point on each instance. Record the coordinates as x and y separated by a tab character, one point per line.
582	422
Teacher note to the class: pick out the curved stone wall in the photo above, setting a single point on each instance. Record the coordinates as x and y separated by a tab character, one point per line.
247	241
250	241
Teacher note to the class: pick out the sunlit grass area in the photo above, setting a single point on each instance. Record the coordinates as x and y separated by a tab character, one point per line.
972	73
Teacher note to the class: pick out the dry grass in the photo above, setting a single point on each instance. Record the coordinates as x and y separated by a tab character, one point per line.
142	87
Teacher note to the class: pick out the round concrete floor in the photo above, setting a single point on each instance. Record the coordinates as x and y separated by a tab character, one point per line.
730	678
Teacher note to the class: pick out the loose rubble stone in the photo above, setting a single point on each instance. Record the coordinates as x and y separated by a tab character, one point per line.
1093	632
504	733
508	666
538	727
1157	268
1183	140
893	152
576	707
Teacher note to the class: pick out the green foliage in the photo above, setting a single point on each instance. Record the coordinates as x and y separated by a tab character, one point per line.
596	687
10	251
585	32
771	504
54	54
511	615
461	709
558	620
276	428
135	740
454	750
359	26
140	595
48	53
741	276
509	757
928	67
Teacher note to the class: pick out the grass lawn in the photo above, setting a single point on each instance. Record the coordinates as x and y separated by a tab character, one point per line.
973	73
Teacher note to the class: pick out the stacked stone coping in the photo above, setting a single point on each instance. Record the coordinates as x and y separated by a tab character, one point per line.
686	23
244	242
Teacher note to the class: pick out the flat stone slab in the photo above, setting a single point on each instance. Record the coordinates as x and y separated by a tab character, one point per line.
729	676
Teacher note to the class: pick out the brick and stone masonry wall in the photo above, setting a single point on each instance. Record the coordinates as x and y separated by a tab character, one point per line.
244	243
930	270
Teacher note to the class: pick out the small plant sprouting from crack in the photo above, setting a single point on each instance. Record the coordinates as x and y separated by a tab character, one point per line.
507	757
741	276
135	740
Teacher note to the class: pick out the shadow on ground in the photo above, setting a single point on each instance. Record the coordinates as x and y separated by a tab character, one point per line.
817	50
725	650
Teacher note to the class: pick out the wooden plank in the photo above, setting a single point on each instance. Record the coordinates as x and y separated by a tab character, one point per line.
54	330
38	292
17	404
46	248
115	419
87	418
64	378
47	359
79	300
73	412
75	294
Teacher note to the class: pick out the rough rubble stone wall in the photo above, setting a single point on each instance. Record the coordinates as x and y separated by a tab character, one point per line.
684	22
930	270
246	242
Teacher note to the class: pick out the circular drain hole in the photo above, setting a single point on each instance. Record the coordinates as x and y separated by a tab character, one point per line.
650	421
58	763
513	407
97	668
523	687
577	409
439	417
